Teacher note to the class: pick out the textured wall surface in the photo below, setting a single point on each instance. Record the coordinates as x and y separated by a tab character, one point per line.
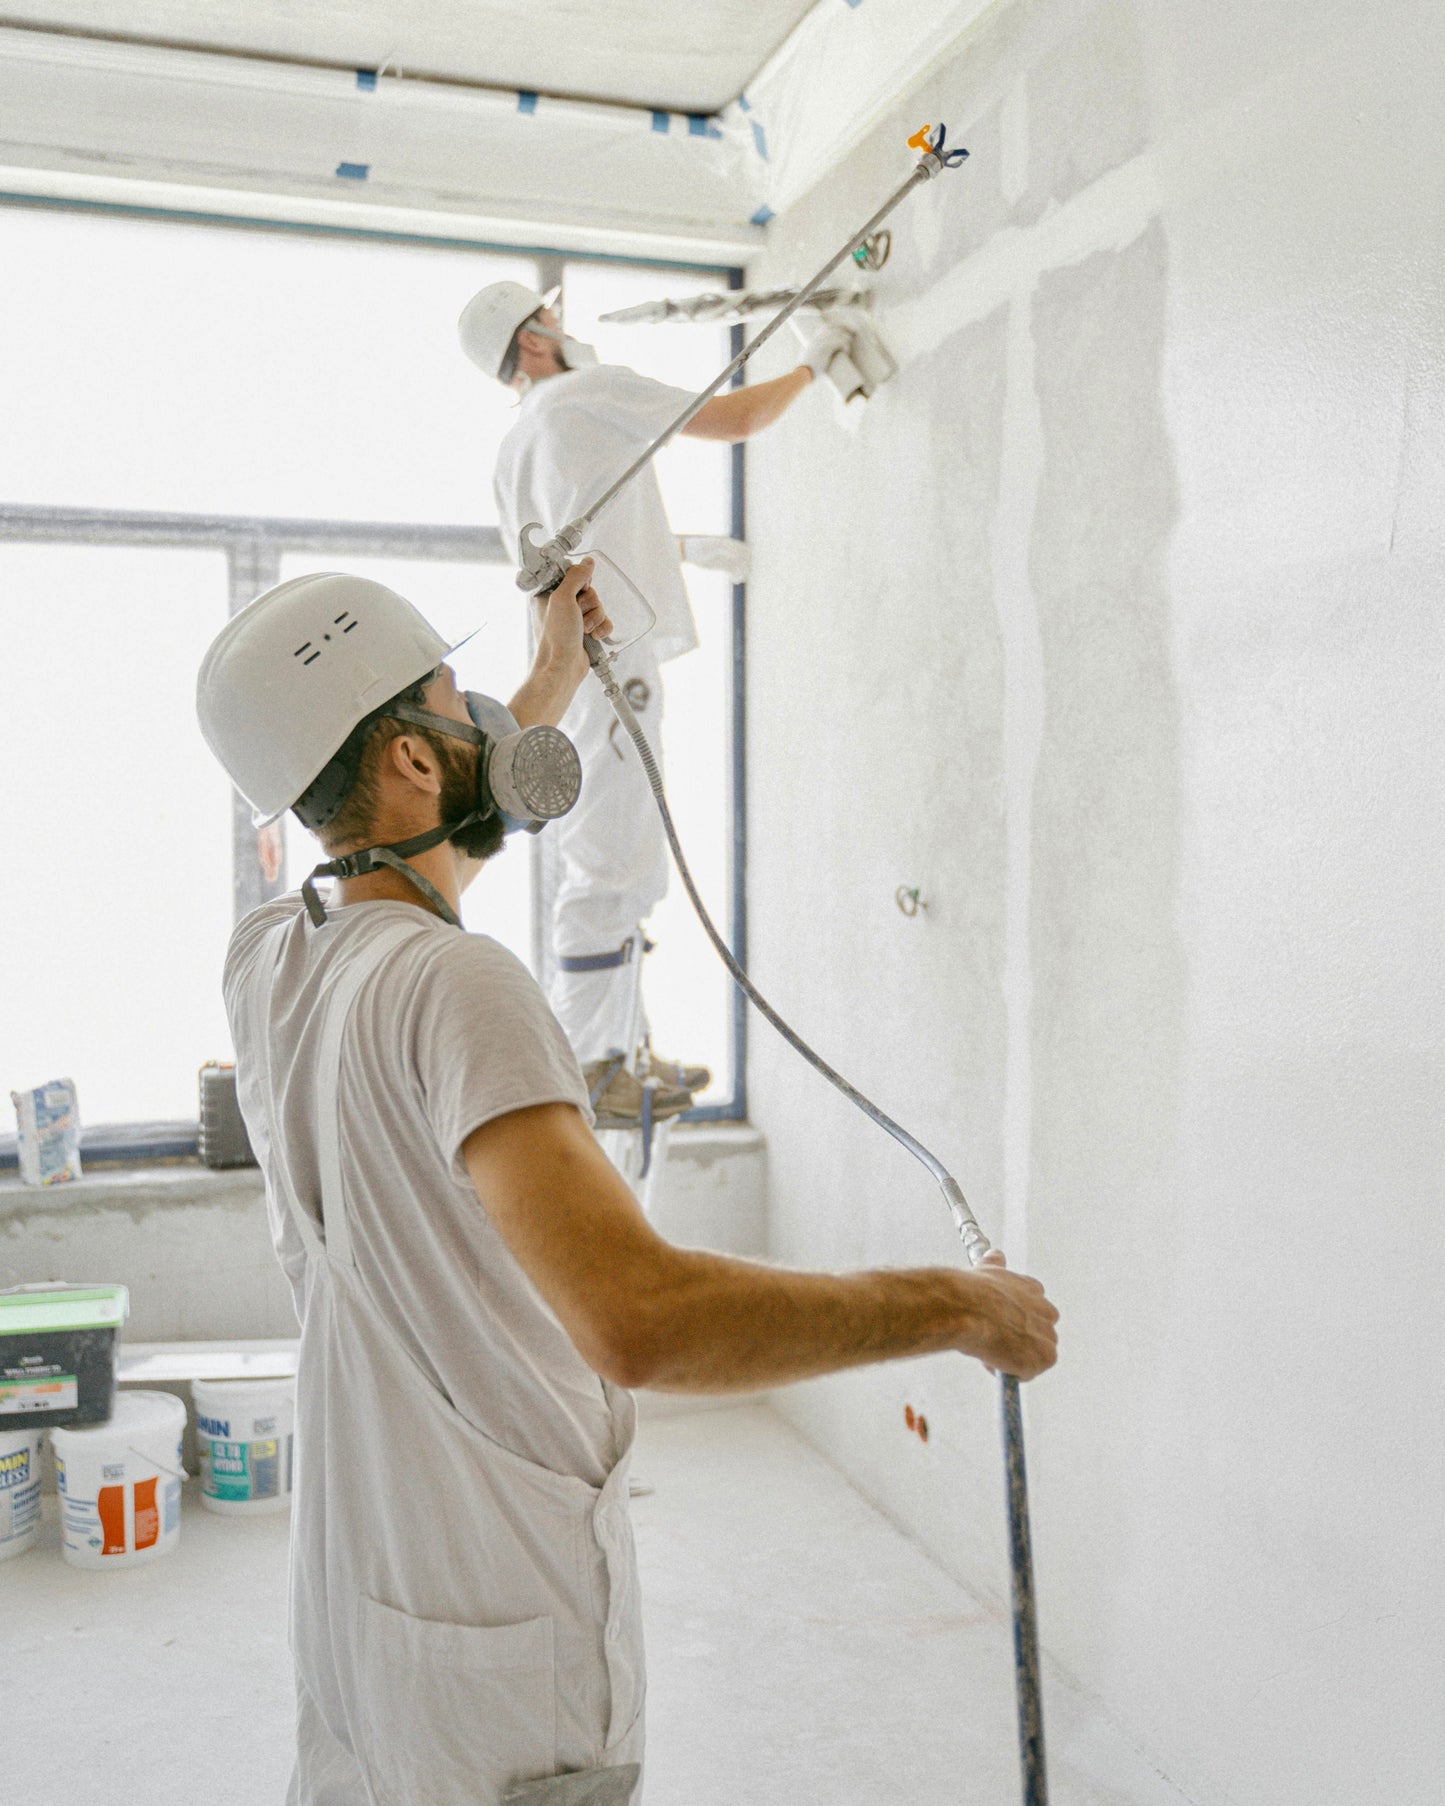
1114	625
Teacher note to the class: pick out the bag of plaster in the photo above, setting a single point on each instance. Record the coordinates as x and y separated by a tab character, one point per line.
48	1119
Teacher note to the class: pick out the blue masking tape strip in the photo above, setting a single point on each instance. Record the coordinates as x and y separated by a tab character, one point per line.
761	217
661	121
366	80
700	126
760	140
526	101
855	4
745	103
354	172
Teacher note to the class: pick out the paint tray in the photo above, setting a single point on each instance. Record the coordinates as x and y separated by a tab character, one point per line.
57	1354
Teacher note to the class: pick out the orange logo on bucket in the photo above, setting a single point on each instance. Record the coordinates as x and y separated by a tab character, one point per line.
110	1503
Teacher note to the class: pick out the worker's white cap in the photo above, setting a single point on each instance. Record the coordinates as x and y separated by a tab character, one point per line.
490	320
287	679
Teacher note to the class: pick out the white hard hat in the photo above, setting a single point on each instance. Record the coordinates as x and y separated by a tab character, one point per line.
285	681
490	319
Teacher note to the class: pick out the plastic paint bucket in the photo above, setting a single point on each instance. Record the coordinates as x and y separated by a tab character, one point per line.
245	1433
19	1489
120	1483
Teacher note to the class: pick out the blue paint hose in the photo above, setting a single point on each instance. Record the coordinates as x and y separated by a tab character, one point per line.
975	1243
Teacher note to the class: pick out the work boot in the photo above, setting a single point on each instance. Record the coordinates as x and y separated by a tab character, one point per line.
618	1096
673	1072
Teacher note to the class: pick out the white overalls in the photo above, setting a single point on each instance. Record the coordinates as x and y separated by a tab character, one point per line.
573	434
463	1619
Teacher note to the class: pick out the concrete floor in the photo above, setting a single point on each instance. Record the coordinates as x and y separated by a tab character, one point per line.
800	1650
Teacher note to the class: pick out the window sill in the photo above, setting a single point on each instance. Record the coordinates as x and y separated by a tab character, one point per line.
174	1184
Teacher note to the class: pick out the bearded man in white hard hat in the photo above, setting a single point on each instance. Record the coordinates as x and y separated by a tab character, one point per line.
579	424
476	1284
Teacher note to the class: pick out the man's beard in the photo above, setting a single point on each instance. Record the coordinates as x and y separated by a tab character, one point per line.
479	839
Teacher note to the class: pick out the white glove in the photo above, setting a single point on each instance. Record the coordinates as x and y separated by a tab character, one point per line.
731	556
823	338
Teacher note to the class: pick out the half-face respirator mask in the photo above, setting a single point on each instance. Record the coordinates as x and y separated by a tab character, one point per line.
525	777
576	354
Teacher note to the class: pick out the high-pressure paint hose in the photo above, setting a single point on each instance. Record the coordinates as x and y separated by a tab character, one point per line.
975	1243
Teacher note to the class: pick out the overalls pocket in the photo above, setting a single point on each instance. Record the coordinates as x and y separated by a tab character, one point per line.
453	1714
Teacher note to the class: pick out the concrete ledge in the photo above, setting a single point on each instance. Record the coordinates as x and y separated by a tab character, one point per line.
165	1186
193	1245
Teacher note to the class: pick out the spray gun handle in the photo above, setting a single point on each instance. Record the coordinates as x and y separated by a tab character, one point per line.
544	566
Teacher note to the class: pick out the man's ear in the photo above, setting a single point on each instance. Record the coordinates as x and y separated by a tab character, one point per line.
415	761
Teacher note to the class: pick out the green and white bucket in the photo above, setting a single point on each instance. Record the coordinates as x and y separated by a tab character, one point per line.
245	1432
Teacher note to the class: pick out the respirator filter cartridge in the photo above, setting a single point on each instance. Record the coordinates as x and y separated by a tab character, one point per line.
535	775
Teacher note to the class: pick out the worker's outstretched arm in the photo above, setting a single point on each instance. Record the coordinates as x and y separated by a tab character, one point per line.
739	413
560	662
643	1313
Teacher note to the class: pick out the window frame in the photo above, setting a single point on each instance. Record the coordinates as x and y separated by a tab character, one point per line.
254	546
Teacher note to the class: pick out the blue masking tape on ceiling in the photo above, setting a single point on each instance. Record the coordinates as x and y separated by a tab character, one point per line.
855	4
700	126
760	140
354	172
761	217
661	121
366	79
745	103
526	101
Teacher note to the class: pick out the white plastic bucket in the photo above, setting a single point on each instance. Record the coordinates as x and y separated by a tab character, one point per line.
245	1431
19	1490
120	1483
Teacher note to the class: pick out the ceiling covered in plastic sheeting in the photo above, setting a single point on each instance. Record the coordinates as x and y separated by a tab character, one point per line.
646	53
578	126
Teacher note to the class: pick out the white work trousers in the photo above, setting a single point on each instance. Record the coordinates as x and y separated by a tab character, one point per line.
612	858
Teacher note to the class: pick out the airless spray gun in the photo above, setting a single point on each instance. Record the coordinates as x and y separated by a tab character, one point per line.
543	567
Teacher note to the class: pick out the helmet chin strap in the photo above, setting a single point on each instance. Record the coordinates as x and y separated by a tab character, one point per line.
367	859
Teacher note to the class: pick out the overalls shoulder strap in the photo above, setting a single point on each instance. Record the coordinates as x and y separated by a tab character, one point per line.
341	996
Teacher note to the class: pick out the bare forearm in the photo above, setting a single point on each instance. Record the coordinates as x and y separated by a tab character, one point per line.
741	412
724	1325
545	696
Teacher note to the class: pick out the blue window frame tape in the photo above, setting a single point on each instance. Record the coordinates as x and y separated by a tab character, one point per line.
354	172
761	217
366	80
526	101
661	122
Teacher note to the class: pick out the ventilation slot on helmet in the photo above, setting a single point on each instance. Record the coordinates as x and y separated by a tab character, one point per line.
346	616
307	648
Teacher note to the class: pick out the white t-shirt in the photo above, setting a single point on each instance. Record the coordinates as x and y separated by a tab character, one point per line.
575	434
450	1032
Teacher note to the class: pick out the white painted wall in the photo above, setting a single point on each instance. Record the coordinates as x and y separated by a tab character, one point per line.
1114	624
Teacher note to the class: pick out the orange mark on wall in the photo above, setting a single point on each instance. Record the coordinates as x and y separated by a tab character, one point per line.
908	1416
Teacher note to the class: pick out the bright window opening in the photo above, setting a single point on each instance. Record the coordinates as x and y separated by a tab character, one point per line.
209	373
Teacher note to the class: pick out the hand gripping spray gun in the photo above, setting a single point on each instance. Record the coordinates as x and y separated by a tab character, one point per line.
543	567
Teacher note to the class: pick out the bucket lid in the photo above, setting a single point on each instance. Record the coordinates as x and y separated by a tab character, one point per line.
238	1391
32	1310
133	1415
